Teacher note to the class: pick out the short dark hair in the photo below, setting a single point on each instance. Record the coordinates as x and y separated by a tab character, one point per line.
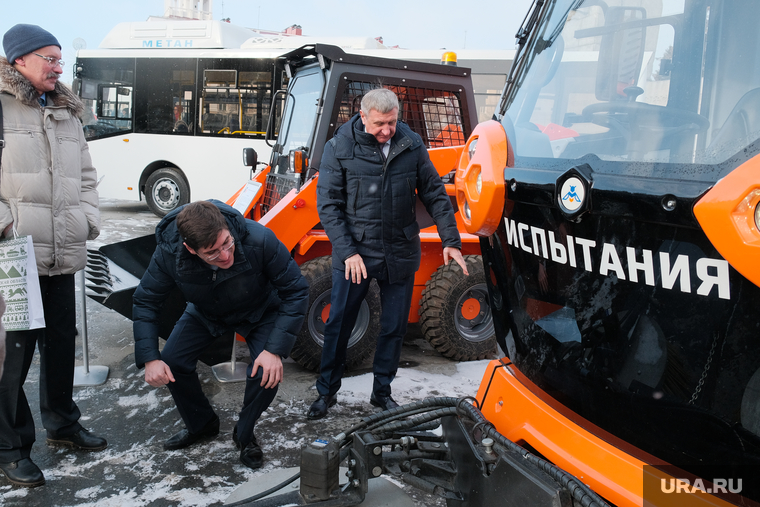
200	223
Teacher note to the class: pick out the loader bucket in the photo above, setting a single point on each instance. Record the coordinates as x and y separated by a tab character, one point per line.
112	275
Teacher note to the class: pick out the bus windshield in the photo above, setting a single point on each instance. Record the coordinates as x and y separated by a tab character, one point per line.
636	81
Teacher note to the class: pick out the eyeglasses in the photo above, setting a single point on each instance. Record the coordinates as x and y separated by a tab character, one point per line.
214	254
51	60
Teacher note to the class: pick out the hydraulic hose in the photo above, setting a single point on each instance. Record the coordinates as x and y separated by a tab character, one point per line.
268	492
399	416
416	421
394	413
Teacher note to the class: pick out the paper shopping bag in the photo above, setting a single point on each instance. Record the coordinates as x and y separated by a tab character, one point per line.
20	285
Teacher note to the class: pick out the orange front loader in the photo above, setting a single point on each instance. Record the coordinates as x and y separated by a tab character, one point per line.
437	103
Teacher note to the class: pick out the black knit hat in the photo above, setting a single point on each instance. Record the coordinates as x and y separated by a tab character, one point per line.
23	39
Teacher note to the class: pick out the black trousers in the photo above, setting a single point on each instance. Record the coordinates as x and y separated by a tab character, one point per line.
345	301
187	341
56	342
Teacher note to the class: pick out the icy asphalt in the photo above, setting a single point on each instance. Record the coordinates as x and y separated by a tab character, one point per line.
135	471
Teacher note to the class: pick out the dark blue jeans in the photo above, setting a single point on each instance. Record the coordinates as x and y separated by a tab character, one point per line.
183	347
56	342
345	301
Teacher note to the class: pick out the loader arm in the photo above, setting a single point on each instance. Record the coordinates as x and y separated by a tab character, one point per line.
295	215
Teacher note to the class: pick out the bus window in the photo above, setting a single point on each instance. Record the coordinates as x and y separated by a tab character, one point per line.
235	96
164	83
106	88
256	100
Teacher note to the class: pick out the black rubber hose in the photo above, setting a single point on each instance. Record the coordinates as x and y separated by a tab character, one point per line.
394	413
399	416
288	501
415	421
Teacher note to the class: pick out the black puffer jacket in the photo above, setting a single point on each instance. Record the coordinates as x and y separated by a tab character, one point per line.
263	278
367	204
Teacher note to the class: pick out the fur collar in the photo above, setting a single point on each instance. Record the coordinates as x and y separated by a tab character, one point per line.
11	81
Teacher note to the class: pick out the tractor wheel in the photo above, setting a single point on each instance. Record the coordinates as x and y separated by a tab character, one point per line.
307	350
454	313
166	190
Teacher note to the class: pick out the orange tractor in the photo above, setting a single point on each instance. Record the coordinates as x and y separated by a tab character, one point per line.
324	92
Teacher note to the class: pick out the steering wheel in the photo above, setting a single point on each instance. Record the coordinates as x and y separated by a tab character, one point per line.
638	120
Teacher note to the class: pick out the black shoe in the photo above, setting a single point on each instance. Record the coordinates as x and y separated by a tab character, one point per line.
82	439
23	473
319	408
184	438
384	402
251	456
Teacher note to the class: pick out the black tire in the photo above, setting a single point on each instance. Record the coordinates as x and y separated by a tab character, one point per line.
455	316
166	190
307	350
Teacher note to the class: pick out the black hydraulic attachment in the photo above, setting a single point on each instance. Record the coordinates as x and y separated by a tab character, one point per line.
468	464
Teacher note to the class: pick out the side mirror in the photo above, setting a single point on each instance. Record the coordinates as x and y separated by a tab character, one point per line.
250	158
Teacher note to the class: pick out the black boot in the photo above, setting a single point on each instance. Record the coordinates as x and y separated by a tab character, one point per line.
319	408
184	438
384	402
23	473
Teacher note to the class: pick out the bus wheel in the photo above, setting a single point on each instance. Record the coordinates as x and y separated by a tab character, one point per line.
307	350
454	313
166	190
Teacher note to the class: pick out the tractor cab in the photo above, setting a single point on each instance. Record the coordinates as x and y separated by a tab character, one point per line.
324	90
616	195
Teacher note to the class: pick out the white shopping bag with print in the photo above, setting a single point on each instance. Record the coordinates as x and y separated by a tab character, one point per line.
20	285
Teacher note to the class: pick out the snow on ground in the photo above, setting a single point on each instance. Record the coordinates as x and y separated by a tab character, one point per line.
134	471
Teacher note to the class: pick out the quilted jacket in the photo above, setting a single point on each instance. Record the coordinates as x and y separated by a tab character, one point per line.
47	181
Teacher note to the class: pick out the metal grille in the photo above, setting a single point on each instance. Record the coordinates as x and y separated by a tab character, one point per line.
277	187
435	115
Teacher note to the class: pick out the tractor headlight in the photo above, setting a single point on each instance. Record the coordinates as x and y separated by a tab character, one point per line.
757	215
473	146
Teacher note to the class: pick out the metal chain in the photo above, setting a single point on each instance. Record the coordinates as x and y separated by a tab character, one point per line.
701	382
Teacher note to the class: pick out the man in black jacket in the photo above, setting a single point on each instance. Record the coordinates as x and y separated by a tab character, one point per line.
236	276
371	175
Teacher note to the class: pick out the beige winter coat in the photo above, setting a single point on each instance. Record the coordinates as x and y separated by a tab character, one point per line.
47	181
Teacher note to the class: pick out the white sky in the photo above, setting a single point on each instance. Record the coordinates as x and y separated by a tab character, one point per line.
474	24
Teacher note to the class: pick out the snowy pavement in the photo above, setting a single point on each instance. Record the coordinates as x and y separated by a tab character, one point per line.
135	471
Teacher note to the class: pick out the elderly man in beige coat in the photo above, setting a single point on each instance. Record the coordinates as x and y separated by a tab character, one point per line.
48	191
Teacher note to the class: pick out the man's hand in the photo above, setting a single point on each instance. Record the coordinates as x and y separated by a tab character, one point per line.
157	373
7	230
355	268
454	253
272	366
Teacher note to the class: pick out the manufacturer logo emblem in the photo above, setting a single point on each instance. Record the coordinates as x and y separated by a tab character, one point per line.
572	194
